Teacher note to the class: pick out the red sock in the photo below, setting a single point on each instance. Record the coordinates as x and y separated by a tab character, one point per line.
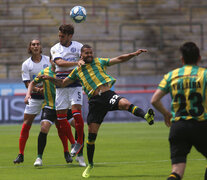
79	125
63	138
65	127
23	137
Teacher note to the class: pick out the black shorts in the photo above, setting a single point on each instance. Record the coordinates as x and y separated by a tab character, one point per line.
99	105
49	114
183	135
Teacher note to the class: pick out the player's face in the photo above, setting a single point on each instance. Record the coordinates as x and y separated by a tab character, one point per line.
87	55
35	47
64	39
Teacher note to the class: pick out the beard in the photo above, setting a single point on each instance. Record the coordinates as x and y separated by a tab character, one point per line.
88	59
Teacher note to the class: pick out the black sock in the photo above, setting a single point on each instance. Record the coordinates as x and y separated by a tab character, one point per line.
42	139
90	152
206	174
91	147
174	176
136	111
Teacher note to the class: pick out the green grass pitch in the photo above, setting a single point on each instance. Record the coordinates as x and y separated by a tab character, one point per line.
128	151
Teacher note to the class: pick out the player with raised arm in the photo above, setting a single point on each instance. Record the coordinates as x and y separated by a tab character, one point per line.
188	117
30	68
96	84
66	54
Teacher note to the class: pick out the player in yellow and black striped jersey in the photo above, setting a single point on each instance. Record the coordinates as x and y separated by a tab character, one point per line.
96	84
49	116
188	117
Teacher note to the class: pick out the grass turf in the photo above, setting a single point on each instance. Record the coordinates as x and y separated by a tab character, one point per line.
123	151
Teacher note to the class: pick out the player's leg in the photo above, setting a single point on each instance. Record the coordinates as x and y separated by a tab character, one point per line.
180	147
76	99
31	110
124	104
92	134
42	140
62	104
200	131
79	158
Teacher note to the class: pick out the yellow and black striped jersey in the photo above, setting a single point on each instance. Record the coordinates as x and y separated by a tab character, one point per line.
48	88
187	87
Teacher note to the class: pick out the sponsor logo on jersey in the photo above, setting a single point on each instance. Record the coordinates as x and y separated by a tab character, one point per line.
73	49
45	65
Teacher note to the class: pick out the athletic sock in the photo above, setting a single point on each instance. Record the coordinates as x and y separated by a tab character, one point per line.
206	174
76	137
91	147
79	125
63	138
42	140
65	127
23	137
136	111
174	176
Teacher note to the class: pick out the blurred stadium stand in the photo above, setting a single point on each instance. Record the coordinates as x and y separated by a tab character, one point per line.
112	28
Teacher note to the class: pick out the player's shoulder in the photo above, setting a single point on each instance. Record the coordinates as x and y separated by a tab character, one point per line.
45	58
56	46
76	44
27	61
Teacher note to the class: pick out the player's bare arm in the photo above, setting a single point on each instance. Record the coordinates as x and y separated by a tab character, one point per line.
29	91
156	102
35	89
62	63
126	57
56	81
67	81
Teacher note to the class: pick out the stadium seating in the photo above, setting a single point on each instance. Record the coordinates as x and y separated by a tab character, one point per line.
111	28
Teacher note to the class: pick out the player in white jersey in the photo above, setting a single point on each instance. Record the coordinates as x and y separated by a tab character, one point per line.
30	68
66	54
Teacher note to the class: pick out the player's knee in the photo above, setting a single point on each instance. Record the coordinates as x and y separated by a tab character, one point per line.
91	138
124	104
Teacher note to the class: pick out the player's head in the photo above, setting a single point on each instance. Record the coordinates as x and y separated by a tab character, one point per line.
34	47
87	53
65	34
190	53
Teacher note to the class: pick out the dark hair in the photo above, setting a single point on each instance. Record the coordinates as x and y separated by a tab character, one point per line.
67	29
85	46
29	45
190	53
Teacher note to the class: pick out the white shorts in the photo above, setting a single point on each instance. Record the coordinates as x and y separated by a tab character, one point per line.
66	97
34	106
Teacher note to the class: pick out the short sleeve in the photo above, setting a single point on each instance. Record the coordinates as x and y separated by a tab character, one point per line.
73	75
25	72
55	53
104	61
164	83
36	79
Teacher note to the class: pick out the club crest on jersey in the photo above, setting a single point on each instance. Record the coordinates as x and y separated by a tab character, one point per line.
73	49
45	65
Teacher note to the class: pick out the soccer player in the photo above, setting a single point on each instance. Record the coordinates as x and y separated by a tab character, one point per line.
188	117
30	68
96	84
66	54
49	115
